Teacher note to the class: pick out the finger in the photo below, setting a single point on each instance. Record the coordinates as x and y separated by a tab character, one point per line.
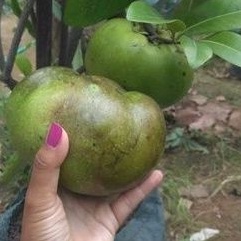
45	173
128	201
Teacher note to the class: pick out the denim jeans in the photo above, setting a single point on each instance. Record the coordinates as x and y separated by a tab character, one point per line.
146	224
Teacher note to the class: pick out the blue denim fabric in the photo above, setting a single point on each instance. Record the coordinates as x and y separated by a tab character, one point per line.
146	224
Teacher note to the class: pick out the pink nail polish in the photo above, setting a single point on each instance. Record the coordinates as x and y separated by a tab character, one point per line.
54	135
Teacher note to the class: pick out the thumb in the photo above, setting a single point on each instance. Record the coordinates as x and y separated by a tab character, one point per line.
46	167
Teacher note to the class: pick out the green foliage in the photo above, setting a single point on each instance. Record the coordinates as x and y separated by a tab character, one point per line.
140	11
78	59
194	11
24	64
25	47
10	170
227	46
180	216
229	21
83	13
8	158
21	60
198	53
203	41
197	40
178	138
192	24
57	10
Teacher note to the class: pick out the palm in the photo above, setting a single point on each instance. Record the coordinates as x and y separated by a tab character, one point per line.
99	218
72	217
92	218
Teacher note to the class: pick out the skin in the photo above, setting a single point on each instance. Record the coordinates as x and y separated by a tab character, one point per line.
52	213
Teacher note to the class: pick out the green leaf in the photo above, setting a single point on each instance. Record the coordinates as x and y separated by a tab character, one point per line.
142	12
204	53
191	145
24	48
190	49
23	64
16	7
229	21
57	10
197	53
194	11
174	138
83	12
226	45
11	170
78	59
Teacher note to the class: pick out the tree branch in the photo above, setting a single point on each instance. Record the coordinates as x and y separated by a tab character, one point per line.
15	43
33	18
44	33
2	60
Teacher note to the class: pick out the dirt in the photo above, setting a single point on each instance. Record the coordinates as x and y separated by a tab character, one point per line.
222	213
209	108
213	107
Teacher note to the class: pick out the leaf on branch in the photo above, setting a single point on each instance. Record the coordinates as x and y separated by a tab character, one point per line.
78	59
197	53
16	7
82	13
140	11
226	45
57	12
24	64
192	12
24	48
225	22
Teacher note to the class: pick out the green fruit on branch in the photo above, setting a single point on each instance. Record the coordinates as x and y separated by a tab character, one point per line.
116	137
117	50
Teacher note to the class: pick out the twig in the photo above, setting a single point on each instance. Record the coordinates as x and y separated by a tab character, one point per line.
44	33
153	37
15	43
2	60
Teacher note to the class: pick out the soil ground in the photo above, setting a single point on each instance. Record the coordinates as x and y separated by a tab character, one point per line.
218	171
205	127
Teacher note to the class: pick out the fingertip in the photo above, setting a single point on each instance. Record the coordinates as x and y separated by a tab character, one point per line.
157	176
46	167
56	136
56	146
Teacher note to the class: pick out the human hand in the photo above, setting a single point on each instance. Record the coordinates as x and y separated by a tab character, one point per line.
55	214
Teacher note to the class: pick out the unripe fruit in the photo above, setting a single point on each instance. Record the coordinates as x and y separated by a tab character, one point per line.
119	52
116	137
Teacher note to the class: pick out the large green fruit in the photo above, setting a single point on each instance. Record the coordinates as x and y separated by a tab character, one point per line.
117	51
116	137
